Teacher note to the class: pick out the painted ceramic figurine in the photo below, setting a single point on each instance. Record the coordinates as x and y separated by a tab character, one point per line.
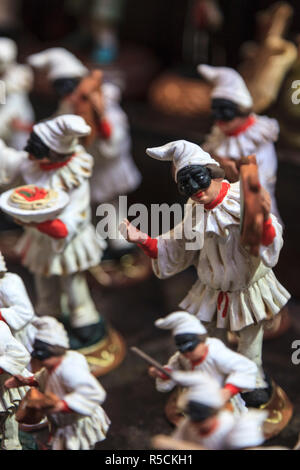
58	251
16	309
13	361
196	352
235	290
237	131
77	420
208	424
16	112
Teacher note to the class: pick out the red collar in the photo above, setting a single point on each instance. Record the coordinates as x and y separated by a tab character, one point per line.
239	130
199	361
223	191
55	165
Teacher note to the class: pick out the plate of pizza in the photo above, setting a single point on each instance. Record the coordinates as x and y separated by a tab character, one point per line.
33	204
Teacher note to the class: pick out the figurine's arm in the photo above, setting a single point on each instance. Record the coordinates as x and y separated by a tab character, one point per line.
15	309
240	371
271	242
13	355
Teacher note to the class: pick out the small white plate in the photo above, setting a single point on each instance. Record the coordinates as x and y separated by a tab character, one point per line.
35	216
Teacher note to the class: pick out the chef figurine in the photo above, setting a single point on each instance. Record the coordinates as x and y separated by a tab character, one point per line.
16	309
58	251
208	424
77	420
235	290
237	131
197	352
13	361
16	112
115	172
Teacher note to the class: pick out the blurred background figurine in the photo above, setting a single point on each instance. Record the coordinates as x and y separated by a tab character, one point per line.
13	361
16	112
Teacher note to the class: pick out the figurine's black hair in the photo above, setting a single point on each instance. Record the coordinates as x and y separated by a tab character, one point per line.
36	147
192	179
226	110
188	342
198	412
65	86
42	350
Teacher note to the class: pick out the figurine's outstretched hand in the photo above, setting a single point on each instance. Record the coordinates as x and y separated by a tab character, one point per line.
131	233
17	381
266	202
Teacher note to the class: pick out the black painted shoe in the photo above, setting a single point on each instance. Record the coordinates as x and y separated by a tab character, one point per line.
86	336
259	396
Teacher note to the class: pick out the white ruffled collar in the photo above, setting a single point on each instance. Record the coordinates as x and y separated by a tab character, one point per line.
264	130
219	219
78	169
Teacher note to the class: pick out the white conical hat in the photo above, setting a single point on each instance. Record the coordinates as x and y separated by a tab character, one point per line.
183	153
59	62
3	267
8	51
61	133
202	388
51	331
181	323
228	84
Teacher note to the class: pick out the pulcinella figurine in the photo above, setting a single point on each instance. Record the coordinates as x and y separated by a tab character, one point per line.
238	132
197	352
16	115
77	420
235	291
13	361
58	251
207	424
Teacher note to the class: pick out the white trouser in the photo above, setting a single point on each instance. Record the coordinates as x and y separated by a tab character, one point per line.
74	287
9	432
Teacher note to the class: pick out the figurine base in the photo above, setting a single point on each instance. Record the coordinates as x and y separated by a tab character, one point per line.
33	427
106	355
129	270
280	412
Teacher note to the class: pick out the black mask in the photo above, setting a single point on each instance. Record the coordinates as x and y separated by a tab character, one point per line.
40	350
36	147
65	86
225	110
186	342
192	179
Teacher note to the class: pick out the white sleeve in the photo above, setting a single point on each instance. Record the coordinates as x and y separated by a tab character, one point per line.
10	163
13	355
247	431
15	308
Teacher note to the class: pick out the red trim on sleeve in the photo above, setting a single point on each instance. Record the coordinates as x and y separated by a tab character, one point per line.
233	389
66	408
105	129
149	247
269	233
32	382
54	228
239	130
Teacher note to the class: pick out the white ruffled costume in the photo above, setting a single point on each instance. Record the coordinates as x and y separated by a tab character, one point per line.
231	432
235	290
58	264
258	138
221	363
72	382
13	361
17	82
115	172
